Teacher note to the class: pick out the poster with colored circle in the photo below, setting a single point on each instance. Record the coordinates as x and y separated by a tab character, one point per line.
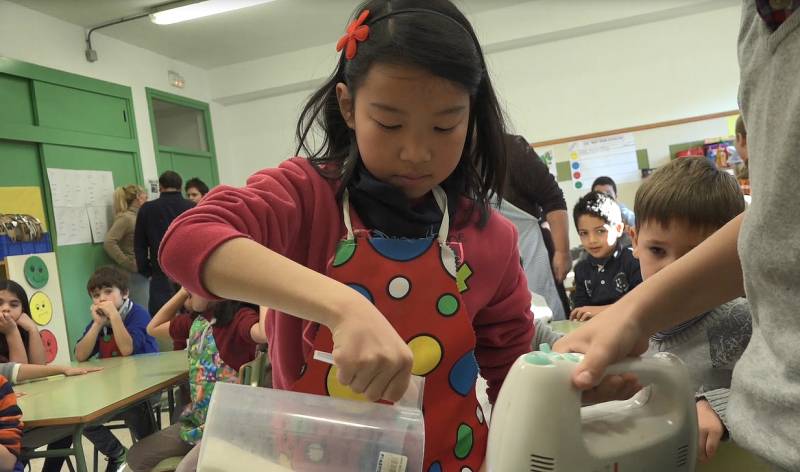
41	308
50	344
36	272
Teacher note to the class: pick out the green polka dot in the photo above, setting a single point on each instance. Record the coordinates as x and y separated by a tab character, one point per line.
578	184
463	441
344	252
447	305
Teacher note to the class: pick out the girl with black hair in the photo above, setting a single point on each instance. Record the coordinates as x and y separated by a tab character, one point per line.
220	337
381	244
19	336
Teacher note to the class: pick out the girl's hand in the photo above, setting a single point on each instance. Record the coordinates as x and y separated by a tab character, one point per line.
7	324
73	371
371	357
26	322
711	431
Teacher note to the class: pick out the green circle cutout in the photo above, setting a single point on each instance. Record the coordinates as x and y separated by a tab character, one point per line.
344	252
36	272
463	441
447	305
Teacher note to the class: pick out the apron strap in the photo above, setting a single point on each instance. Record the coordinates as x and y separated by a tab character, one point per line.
438	194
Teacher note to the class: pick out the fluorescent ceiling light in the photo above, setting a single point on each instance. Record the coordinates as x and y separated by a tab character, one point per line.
201	9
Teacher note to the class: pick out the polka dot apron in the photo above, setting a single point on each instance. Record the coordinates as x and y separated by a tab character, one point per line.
413	282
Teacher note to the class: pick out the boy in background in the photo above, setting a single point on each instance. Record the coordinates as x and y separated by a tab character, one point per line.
118	328
609	271
680	206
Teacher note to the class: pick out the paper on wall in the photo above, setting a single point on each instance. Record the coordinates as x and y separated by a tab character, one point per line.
612	156
82	202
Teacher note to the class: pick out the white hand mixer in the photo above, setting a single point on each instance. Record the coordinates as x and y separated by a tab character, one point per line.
538	424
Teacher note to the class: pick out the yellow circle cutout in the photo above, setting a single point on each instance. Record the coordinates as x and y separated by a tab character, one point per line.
427	354
41	308
337	390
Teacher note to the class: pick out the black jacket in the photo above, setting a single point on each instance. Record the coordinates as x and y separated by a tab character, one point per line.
530	186
602	282
151	223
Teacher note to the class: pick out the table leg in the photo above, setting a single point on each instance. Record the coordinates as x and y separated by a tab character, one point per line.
77	445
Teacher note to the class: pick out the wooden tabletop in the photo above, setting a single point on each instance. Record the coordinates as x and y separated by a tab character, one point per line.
123	381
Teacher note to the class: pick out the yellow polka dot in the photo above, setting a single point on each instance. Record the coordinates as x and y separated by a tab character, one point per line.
427	354
337	390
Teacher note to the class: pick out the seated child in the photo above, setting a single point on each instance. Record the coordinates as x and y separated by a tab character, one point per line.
215	355
609	271
10	428
118	328
681	205
19	335
179	310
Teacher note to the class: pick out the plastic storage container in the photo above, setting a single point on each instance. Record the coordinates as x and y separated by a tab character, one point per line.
268	430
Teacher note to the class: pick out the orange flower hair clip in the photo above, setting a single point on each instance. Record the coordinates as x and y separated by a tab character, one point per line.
357	32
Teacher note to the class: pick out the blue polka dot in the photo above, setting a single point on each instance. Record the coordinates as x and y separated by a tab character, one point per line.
363	291
576	165
400	249
464	374
435	467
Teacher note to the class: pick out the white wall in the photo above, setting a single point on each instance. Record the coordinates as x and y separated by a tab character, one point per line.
561	68
33	37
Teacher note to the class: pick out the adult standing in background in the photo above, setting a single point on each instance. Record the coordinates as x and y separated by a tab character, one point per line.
152	222
531	188
195	189
119	239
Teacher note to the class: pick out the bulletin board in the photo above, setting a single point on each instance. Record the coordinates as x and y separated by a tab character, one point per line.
38	275
655	144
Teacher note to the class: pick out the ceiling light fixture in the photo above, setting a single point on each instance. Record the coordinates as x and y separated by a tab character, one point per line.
201	9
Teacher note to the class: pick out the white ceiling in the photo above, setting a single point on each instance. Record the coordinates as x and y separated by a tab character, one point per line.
238	36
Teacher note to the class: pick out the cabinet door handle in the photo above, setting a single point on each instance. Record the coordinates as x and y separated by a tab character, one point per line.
124	116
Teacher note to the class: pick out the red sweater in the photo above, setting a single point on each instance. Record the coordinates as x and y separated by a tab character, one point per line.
293	210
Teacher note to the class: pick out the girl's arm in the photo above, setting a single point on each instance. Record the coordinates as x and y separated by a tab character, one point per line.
16	348
370	355
33	371
158	327
36	353
258	331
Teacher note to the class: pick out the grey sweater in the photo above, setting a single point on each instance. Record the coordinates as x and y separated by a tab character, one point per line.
764	408
710	346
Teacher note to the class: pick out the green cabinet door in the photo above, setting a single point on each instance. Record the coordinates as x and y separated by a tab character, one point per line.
16	105
73	109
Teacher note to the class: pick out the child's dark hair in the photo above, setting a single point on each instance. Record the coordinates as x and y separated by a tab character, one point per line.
432	35
604	180
691	190
225	311
600	205
107	276
198	184
19	292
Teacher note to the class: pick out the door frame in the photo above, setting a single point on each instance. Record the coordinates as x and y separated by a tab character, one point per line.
191	103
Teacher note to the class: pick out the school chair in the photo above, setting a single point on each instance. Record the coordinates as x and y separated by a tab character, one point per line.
256	373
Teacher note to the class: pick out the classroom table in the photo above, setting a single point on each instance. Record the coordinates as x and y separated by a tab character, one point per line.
66	405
